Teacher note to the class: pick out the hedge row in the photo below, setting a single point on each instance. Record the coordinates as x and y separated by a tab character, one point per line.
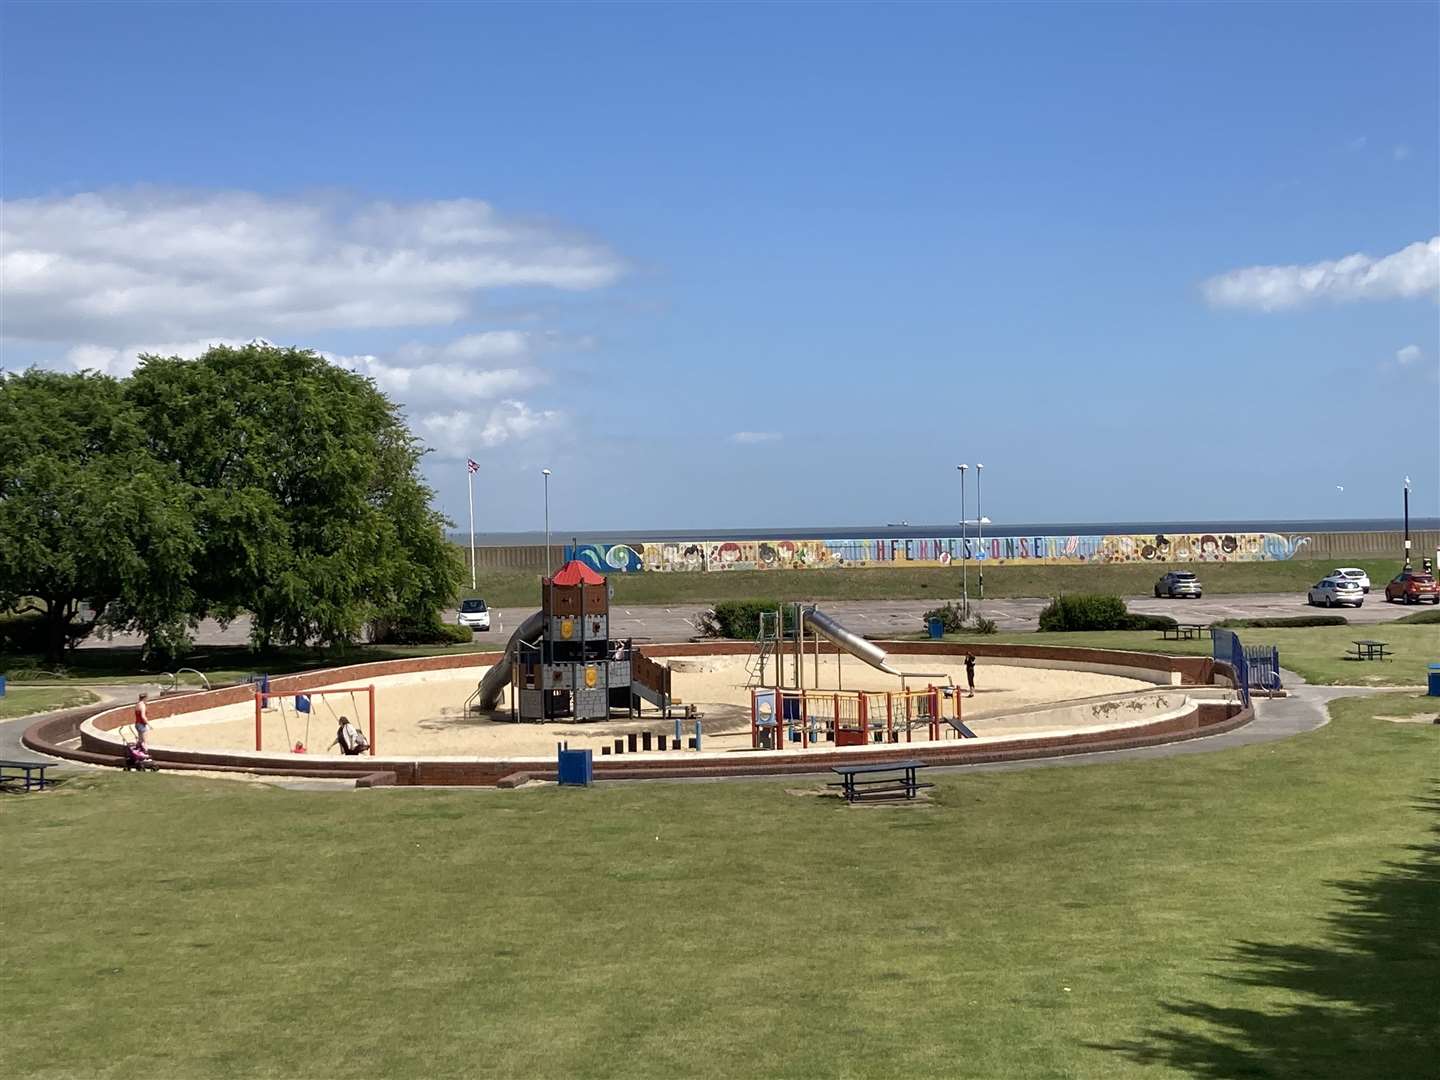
1285	620
1065	614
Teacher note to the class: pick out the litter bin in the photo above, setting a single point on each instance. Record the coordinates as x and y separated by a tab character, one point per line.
576	767
1434	681
2	685
937	629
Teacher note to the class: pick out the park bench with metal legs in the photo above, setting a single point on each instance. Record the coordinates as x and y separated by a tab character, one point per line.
881	780
26	775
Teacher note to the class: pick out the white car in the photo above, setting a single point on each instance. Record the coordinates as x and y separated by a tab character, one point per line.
1352	573
1335	590
474	614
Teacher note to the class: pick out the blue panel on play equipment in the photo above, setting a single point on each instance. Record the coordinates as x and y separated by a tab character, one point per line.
576	767
791	708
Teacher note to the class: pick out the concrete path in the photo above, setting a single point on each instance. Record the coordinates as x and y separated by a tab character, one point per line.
13	749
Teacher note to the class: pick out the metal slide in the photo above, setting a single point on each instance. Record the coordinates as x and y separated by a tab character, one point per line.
858	646
848	640
492	686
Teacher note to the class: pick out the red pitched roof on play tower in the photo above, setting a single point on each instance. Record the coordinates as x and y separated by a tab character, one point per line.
576	573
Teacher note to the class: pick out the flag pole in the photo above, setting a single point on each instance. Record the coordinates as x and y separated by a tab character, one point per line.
470	490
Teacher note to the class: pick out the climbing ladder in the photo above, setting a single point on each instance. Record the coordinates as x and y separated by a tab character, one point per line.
765	644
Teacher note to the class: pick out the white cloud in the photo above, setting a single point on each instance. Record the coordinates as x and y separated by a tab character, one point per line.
1357	144
454	434
146	264
755	436
121	361
1408	354
422	373
1401	152
1413	271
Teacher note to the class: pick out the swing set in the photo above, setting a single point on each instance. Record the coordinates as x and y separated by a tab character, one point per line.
300	746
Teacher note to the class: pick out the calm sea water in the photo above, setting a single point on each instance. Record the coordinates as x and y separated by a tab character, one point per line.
943	529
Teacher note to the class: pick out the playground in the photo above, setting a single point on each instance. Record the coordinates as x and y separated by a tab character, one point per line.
423	713
806	687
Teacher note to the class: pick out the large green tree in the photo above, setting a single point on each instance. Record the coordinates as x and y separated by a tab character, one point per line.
86	515
309	508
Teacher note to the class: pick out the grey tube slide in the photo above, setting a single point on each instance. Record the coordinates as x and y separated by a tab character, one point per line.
858	646
848	640
492	686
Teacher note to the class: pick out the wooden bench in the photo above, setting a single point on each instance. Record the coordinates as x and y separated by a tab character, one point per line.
882	780
29	773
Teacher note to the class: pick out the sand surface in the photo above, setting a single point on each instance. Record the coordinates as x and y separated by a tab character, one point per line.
424	714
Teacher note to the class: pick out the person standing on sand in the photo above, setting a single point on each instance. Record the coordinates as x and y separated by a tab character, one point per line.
142	721
970	672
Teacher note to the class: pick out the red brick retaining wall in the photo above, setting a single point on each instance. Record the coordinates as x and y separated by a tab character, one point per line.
54	735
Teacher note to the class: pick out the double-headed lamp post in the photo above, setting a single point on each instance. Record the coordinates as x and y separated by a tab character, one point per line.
964	545
549	563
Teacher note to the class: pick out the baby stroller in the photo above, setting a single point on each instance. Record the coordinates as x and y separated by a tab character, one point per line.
137	757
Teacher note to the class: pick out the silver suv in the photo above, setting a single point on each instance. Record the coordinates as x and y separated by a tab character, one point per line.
1178	583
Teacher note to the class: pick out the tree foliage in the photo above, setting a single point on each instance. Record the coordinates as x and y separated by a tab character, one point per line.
257	479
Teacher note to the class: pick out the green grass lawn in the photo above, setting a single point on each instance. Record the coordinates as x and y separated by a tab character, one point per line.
1267	911
220	663
518	589
1322	654
24	700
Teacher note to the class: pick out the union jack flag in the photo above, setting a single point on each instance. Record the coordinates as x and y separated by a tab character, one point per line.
472	464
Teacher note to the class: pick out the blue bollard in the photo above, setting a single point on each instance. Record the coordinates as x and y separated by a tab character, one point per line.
677	733
2	685
697	734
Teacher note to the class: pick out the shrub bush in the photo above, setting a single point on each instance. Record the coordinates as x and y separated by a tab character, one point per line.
1286	620
1136	621
982	625
421	631
740	619
1084	612
1431	616
22	634
952	615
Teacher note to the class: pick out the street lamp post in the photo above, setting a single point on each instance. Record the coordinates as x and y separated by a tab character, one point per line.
549	562
980	527
1407	523
964	546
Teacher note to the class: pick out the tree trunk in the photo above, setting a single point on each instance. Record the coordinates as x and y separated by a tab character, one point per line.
57	621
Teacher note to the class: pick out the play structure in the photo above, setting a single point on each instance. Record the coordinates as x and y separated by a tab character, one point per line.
786	714
561	663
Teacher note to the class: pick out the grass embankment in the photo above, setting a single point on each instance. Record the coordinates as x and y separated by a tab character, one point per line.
220	663
24	700
1321	654
518	589
1263	911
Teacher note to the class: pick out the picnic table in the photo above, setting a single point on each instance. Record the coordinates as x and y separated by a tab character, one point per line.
1370	650
1182	631
881	780
29	773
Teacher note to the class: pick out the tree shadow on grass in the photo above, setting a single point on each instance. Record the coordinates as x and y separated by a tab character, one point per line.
1373	990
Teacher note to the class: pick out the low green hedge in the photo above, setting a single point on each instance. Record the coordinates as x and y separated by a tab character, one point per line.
740	619
1431	616
1136	621
1283	621
420	632
1084	612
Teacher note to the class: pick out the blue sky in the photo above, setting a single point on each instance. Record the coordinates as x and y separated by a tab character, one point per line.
767	265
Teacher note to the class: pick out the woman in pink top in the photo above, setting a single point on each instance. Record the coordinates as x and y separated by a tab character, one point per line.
142	721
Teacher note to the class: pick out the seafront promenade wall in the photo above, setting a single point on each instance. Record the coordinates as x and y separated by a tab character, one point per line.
1000	549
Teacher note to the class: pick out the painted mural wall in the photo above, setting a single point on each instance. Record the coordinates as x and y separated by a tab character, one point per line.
706	555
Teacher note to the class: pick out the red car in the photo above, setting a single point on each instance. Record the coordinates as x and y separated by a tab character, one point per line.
1414	587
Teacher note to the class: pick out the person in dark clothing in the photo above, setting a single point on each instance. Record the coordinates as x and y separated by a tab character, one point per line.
970	672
